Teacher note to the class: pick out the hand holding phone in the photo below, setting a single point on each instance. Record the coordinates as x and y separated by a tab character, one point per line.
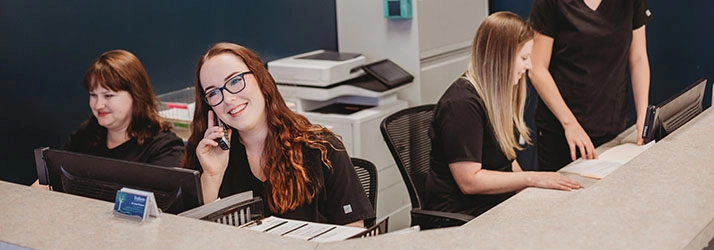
222	141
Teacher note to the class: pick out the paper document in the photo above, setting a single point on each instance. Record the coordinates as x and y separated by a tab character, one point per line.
607	162
304	230
179	112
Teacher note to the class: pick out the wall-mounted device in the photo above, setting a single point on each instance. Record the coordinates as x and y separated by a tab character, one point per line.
398	9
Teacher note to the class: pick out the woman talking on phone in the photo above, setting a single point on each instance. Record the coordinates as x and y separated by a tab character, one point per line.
301	170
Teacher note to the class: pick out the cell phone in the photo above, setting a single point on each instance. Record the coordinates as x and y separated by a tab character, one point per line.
223	141
649	128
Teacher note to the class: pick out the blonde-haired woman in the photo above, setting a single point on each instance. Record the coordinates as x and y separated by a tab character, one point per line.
477	123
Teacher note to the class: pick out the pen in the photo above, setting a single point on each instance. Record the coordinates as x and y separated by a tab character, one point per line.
291	230
591	176
318	235
276	225
256	222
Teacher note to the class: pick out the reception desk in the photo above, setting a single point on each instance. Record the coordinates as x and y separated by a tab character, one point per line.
662	199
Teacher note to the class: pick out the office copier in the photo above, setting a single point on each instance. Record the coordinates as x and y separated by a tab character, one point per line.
339	91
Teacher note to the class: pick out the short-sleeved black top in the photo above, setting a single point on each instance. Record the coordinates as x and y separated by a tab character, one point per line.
339	200
165	149
589	62
459	132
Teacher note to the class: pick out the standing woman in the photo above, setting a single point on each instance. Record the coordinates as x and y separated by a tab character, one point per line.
581	57
125	122
301	170
477	123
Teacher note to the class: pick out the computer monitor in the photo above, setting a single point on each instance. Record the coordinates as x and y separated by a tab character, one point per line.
175	189
674	112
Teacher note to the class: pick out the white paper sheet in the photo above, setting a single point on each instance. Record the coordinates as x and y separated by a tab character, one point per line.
305	230
607	162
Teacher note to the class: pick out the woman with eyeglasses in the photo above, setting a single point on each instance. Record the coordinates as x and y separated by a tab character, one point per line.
125	122
477	123
301	170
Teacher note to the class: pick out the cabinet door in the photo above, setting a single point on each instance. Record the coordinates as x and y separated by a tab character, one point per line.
438	72
446	25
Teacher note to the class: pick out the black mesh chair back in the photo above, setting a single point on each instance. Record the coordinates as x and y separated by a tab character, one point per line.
367	174
406	133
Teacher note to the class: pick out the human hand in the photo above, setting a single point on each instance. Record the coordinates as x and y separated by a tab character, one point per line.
552	180
640	128
579	140
213	159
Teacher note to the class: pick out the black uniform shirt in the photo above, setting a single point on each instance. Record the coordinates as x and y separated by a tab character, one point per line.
589	61
339	200
461	131
165	149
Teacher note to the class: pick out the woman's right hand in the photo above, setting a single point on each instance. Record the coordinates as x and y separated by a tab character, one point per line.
552	180
578	139
213	159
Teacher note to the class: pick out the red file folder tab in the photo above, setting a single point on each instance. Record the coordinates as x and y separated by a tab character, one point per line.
176	106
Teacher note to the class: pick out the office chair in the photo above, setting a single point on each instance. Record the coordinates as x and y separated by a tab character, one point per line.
406	133
367	174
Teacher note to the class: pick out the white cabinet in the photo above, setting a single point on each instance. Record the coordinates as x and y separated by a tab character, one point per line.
361	136
435	42
434	46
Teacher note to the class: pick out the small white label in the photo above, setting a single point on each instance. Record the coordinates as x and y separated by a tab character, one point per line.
347	208
648	13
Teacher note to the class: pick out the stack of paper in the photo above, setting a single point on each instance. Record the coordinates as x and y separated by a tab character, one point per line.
304	230
607	162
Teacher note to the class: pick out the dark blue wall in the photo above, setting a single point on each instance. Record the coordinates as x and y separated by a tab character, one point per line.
45	47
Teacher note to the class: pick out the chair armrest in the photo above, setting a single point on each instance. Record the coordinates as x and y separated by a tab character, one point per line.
443	215
377	229
430	219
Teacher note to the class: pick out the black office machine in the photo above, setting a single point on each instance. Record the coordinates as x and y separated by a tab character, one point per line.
175	189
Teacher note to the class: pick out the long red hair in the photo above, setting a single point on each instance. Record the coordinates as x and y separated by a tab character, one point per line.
290	184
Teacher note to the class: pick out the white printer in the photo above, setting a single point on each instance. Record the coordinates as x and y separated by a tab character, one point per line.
317	68
336	90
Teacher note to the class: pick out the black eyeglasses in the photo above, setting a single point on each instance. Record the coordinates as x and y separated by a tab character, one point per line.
234	85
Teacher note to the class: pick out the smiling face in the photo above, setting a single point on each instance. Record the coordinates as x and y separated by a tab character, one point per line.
113	109
244	111
523	61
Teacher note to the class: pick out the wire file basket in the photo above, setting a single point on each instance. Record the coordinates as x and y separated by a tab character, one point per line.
177	107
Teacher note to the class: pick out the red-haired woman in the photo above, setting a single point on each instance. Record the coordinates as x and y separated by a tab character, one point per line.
301	170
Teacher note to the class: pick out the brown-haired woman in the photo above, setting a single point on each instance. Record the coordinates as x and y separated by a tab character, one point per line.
300	169
125	122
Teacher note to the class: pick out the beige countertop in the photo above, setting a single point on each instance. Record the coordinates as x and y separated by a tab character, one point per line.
662	199
41	219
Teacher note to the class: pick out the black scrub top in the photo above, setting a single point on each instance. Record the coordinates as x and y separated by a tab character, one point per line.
589	61
461	131
165	149
339	200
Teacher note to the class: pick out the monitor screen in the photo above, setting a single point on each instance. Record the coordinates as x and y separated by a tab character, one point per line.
675	111
176	189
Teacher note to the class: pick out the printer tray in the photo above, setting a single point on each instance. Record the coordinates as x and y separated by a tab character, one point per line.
341	108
